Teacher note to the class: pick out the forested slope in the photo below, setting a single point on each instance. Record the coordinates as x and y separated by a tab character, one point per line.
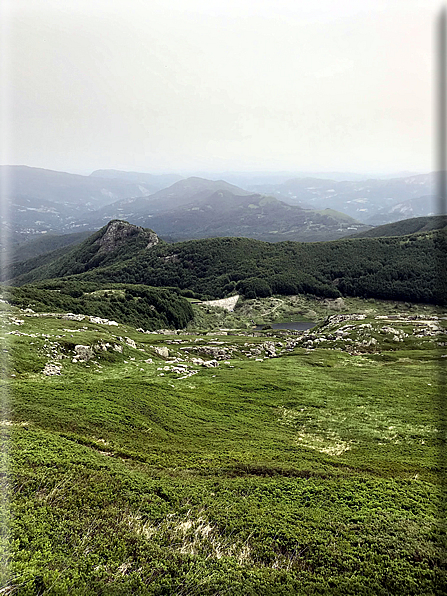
400	268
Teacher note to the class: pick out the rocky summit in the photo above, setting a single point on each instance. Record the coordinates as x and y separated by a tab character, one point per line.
117	233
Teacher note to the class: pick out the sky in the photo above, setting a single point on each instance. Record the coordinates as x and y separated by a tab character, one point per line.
219	85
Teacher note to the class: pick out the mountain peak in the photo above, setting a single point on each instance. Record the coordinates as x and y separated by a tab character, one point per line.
117	232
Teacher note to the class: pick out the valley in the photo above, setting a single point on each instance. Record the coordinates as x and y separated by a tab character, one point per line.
223	292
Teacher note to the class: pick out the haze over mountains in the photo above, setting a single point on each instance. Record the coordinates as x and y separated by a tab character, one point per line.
48	201
374	201
268	207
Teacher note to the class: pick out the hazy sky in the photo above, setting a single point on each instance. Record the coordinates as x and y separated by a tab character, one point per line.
177	85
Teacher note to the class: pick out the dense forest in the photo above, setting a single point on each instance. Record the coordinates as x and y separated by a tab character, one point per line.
399	268
389	268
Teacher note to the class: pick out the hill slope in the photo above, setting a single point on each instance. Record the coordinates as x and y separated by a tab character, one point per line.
415	225
405	268
282	467
44	244
250	216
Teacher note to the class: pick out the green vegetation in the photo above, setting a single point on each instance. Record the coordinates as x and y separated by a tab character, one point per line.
395	268
285	309
141	306
38	252
312	472
415	225
209	461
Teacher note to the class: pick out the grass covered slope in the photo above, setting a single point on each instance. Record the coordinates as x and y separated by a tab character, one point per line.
415	225
141	306
283	468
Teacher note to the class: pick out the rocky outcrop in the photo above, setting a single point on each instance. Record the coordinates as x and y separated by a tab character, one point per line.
162	351
51	369
83	353
119	232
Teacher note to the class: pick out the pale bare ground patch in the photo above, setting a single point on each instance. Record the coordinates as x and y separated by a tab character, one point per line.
193	535
225	303
12	423
12	589
324	444
330	443
363	423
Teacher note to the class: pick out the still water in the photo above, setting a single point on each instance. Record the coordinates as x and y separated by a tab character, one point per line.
297	326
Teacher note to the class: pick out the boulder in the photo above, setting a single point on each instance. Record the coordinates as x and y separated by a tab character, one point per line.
83	353
162	351
131	343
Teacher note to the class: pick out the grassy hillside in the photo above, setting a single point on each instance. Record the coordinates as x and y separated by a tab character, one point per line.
114	243
292	465
415	225
141	306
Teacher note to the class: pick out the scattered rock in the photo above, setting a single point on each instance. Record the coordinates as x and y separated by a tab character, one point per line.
51	370
100	321
162	351
131	343
15	321
269	348
83	353
69	316
210	363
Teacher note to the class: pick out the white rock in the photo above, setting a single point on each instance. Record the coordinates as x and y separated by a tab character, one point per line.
84	353
162	351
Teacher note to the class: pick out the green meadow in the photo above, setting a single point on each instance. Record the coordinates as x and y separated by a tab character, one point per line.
316	470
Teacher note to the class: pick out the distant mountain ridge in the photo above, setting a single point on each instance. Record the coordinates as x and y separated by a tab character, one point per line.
155	181
199	208
67	189
251	216
49	201
45	201
365	200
